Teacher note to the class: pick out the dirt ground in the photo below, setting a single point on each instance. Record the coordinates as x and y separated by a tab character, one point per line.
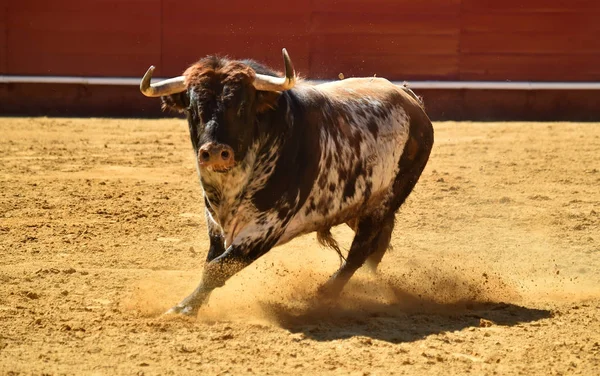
495	267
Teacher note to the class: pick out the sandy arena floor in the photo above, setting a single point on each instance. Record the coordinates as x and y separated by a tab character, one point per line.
495	267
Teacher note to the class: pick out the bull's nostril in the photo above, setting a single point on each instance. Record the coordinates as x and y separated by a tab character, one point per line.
205	156
225	155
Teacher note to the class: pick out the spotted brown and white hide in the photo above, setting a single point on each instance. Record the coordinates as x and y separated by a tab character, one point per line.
318	156
362	132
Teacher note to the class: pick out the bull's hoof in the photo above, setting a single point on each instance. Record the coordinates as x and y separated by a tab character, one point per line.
333	287
182	310
328	294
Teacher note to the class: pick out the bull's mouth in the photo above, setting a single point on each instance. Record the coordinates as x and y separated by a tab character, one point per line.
222	171
219	169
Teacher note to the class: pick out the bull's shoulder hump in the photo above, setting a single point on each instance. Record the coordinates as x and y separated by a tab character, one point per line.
354	88
373	87
359	83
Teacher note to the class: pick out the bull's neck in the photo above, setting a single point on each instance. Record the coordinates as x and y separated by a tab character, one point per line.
228	193
225	191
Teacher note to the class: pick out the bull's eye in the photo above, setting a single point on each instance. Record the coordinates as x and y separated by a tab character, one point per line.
242	109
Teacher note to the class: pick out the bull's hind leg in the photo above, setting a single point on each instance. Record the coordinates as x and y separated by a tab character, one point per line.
369	235
411	165
373	233
383	243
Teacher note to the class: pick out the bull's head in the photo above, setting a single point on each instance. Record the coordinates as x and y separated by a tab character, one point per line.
222	99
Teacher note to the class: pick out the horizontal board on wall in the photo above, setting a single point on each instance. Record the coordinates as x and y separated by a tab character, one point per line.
380	24
556	23
534	41
391	44
100	38
532	33
537	6
74	5
523	67
399	8
3	41
266	51
399	67
203	11
528	43
248	31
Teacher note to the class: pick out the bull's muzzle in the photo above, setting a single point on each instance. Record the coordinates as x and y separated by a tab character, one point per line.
216	157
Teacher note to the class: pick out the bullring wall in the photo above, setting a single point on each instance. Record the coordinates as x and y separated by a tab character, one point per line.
456	40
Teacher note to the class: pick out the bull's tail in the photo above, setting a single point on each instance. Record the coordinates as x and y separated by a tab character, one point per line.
326	239
412	94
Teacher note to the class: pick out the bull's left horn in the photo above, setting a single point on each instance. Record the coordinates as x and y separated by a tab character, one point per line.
166	87
270	83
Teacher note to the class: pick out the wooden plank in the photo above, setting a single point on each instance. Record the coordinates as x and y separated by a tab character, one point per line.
536	40
266	50
399	8
92	42
3	39
240	18
84	20
205	11
530	33
88	18
528	43
116	6
366	45
250	34
76	100
561	67
80	38
401	66
66	53
552	23
75	64
235	25
352	23
531	6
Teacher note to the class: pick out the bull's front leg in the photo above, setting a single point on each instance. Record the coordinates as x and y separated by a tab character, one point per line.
242	252
216	273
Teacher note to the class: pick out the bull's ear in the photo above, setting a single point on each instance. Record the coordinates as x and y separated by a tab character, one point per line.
178	102
266	100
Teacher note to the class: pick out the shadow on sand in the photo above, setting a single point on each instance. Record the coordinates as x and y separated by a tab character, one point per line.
410	318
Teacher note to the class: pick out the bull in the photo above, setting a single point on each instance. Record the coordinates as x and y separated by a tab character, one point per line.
279	157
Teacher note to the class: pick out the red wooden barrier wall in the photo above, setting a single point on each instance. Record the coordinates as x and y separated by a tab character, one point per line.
537	40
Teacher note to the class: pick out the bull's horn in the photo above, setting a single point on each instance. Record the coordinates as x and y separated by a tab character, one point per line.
166	87
270	83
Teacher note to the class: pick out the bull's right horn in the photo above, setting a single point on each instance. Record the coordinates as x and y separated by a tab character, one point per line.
166	87
270	83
